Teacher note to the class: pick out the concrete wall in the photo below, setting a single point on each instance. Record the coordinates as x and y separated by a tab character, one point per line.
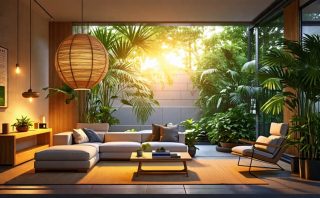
176	104
17	105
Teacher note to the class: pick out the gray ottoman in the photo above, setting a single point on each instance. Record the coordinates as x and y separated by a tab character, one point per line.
67	157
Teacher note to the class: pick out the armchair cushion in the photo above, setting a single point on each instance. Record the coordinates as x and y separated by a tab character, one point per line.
278	129
247	151
272	140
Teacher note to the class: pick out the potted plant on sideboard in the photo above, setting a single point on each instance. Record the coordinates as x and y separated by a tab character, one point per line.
22	124
230	126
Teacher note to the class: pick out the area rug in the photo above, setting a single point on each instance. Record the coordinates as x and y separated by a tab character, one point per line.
201	171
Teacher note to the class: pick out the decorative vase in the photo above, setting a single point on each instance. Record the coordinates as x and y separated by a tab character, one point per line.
302	168
139	153
192	151
22	128
312	168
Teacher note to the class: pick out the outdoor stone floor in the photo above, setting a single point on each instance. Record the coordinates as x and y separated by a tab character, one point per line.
279	183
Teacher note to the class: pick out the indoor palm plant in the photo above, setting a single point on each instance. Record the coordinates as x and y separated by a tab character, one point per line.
22	124
292	70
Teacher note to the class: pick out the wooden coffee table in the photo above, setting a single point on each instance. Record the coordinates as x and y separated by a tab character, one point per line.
147	157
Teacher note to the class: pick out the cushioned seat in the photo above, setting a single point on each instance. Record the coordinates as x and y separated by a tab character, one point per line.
119	147
171	146
76	152
247	151
94	144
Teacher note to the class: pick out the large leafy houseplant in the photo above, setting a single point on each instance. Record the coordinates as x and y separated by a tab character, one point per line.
292	70
230	126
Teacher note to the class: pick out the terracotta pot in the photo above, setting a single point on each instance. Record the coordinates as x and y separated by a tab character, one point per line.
222	149
302	168
192	151
22	128
312	168
228	145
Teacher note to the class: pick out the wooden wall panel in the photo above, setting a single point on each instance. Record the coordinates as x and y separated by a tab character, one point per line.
292	32
62	117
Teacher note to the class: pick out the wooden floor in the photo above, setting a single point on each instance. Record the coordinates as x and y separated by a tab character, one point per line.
281	184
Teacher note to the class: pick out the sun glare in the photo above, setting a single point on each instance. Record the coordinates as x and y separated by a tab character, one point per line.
176	59
150	63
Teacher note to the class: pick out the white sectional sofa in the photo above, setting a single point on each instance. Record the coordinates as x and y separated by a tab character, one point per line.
65	155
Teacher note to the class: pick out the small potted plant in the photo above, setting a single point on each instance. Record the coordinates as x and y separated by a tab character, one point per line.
22	124
191	135
139	152
146	147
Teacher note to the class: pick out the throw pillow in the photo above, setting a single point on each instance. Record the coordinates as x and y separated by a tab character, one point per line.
155	132
79	136
169	134
92	135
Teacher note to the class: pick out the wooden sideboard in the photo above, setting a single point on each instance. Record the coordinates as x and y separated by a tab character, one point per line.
11	154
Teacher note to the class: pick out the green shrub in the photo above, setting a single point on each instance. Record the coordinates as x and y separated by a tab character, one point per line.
232	125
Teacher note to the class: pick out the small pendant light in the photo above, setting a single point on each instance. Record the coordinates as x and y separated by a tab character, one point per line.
30	94
17	65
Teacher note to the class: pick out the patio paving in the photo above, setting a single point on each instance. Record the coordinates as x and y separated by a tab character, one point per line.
279	182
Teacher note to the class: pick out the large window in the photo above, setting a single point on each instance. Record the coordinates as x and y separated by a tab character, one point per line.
269	31
310	18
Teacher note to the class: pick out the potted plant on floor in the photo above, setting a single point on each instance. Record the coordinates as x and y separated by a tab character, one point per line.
22	124
292	72
192	131
230	126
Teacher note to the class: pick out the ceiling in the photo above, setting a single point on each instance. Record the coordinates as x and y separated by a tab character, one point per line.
170	11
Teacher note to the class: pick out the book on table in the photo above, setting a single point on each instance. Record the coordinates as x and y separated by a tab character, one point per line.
167	156
161	153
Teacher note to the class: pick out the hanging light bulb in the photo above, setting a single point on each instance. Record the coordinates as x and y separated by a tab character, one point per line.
30	99
18	69
17	65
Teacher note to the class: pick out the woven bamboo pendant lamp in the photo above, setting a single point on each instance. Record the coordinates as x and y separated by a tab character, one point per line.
81	61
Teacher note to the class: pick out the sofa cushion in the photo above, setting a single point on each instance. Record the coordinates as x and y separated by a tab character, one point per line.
171	146
79	136
123	137
119	147
99	127
155	132
94	144
169	134
146	135
92	135
75	152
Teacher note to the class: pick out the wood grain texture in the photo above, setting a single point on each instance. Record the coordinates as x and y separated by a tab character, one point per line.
10	155
62	117
291	17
